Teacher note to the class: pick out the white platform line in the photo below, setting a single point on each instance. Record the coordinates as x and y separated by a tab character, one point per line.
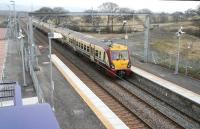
108	118
168	85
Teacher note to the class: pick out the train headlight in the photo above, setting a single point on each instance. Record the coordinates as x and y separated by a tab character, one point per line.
112	66
129	65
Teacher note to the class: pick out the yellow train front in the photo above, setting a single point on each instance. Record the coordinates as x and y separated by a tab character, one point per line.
119	60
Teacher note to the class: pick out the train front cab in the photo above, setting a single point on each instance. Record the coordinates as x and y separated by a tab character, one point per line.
120	63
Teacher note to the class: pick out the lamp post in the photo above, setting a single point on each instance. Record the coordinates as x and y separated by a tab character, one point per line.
178	34
126	36
52	35
13	3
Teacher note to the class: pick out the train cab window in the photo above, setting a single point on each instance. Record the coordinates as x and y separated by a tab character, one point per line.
81	46
85	47
88	48
96	53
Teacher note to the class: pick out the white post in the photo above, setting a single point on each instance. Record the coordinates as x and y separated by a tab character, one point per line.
51	77
23	67
146	38
178	57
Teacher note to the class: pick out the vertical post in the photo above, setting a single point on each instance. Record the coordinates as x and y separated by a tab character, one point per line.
51	77
32	45
22	53
178	54
146	38
23	66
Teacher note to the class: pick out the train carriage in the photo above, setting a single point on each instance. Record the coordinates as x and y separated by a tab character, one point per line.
114	58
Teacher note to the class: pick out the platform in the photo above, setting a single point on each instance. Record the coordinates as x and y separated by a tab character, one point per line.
109	119
70	109
168	85
176	96
166	74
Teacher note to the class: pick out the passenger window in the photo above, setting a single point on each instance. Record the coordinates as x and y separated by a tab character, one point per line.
96	53
81	46
85	47
88	48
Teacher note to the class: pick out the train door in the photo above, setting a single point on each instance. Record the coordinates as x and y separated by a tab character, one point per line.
74	44
92	52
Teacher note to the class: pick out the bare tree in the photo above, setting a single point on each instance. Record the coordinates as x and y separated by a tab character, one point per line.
44	10
58	19
177	16
125	10
109	7
144	11
93	19
163	17
190	13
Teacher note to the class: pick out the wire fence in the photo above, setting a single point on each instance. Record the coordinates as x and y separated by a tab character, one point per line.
163	49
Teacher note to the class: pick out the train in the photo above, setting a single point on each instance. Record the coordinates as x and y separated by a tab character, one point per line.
112	58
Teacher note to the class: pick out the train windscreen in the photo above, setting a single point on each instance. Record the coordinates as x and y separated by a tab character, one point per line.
119	55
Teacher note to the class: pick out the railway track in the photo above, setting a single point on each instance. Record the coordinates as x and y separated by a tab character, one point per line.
131	120
134	111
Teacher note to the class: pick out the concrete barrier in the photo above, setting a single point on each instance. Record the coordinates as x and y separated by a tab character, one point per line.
182	99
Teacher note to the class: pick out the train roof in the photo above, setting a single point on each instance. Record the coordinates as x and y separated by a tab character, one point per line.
95	41
87	38
90	39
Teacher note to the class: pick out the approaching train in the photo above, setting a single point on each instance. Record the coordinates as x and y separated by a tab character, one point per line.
114	58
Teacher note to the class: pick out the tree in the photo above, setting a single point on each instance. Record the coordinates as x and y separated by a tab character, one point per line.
177	16
144	11
58	19
190	13
163	17
109	7
93	19
44	10
125	10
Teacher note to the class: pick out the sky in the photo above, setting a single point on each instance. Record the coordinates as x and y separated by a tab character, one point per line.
81	5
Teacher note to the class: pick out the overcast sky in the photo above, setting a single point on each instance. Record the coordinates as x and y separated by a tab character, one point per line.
81	5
